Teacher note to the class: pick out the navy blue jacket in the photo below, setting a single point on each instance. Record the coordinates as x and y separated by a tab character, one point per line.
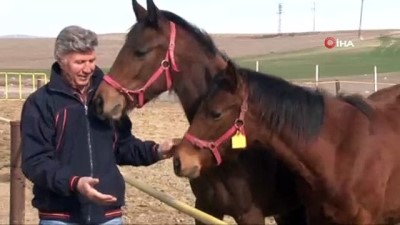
62	140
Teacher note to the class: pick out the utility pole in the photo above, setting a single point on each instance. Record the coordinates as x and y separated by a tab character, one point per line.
279	20
313	16
359	28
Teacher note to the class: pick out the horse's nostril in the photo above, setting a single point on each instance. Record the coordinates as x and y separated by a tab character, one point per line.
116	110
98	105
177	165
100	102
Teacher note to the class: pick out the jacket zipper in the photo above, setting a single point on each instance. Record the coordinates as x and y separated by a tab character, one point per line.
89	139
90	151
84	102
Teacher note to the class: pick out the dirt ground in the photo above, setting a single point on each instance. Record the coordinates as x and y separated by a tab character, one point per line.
156	121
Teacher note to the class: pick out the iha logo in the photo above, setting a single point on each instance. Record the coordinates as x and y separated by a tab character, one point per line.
331	42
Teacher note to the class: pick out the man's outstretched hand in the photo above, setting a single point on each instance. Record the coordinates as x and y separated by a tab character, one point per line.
85	186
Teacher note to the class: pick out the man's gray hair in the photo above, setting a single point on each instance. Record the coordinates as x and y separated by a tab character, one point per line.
74	39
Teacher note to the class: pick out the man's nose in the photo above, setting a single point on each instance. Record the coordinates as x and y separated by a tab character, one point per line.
88	68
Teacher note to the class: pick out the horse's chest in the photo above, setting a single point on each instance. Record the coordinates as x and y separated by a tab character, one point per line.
229	195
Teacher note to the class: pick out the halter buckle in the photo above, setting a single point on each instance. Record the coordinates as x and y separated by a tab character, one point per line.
165	64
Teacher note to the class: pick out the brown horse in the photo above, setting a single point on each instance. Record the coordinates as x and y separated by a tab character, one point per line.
255	186
385	95
345	149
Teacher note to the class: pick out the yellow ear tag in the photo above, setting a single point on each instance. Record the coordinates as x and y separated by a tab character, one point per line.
238	141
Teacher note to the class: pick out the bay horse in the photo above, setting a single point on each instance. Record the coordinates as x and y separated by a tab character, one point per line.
345	148
163	51
388	94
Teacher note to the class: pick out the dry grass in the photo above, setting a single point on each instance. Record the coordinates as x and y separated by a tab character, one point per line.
27	53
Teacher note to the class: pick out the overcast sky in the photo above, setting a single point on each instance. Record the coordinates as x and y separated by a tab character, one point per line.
48	17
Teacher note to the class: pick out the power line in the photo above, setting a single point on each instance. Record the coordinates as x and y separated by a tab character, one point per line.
361	12
280	19
313	9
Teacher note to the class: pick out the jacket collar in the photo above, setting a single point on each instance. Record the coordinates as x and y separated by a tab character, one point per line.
59	84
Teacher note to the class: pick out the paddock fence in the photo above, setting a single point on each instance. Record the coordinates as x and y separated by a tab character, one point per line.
19	85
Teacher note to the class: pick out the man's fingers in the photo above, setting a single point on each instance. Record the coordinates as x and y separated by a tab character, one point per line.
105	197
102	198
108	202
93	181
176	141
91	193
105	201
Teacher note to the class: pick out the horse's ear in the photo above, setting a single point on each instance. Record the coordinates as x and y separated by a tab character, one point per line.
232	78
208	76
152	10
139	11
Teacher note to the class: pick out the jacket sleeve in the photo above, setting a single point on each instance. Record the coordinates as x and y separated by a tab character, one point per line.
130	150
38	151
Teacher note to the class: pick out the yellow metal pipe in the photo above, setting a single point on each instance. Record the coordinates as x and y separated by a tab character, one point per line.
4	74
21	78
33	82
6	85
193	212
20	86
3	119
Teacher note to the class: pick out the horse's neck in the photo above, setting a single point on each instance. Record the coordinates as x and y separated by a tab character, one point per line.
311	160
192	84
196	69
285	151
387	94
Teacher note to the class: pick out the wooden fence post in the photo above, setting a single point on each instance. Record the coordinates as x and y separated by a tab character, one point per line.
337	87
17	178
39	83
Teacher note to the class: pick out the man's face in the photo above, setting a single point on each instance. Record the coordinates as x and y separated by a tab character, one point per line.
78	68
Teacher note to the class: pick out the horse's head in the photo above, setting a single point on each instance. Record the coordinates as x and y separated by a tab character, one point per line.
219	120
147	52
151	54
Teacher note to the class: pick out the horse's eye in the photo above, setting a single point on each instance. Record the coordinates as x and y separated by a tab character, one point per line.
140	52
215	114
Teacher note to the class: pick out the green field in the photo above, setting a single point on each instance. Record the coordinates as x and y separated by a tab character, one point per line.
361	59
384	53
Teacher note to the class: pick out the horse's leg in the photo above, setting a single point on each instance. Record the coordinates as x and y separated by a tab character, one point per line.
201	205
253	216
364	217
297	216
316	216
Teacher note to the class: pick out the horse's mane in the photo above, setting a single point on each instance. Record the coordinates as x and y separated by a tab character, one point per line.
200	35
358	102
285	105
